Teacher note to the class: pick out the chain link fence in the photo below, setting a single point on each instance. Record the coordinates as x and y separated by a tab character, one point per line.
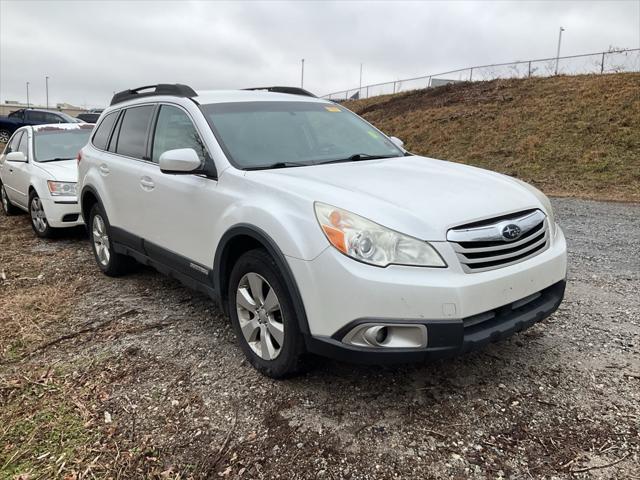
612	61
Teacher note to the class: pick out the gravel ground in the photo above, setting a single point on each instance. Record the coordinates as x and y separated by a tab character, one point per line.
158	378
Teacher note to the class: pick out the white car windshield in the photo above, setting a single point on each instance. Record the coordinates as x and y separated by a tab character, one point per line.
258	135
52	144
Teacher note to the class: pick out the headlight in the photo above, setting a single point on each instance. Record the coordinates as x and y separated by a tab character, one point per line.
371	243
62	188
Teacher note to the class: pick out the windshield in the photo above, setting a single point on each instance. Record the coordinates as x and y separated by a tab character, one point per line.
262	134
55	144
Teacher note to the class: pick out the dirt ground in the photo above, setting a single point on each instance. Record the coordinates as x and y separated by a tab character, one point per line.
139	377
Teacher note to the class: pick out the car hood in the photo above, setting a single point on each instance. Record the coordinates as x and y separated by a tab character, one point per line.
419	196
63	170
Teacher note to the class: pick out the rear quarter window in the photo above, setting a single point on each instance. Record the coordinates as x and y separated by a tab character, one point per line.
101	137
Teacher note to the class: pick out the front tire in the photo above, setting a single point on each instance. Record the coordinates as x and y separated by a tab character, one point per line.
5	135
39	220
263	316
111	263
7	207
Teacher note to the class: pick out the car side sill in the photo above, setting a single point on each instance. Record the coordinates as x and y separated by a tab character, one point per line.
189	273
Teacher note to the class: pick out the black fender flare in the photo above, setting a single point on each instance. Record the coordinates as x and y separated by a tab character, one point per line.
90	189
220	266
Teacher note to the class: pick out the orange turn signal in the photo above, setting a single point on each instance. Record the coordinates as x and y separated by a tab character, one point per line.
336	237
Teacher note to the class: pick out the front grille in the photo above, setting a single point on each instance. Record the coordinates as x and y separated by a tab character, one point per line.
482	246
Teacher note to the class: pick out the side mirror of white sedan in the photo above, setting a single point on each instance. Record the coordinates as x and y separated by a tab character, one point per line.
15	157
180	160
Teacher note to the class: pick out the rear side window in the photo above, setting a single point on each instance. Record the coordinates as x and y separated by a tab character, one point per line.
101	137
132	139
36	116
174	129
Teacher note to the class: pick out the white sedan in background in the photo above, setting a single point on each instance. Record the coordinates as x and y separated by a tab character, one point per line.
38	174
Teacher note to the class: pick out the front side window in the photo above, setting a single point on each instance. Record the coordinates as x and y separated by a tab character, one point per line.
260	134
132	137
52	118
12	146
101	137
23	146
174	130
55	144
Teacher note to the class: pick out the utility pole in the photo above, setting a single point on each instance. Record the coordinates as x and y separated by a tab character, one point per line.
46	82
28	104
360	90
558	52
302	75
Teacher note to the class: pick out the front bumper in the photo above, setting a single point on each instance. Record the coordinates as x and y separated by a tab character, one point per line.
446	338
339	292
62	212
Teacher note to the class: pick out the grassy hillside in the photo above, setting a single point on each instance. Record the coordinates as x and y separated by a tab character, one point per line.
577	136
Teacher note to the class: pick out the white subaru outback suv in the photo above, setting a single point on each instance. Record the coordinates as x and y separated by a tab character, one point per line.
315	231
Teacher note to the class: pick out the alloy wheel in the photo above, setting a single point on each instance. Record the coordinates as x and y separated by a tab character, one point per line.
100	240
260	316
38	217
4	136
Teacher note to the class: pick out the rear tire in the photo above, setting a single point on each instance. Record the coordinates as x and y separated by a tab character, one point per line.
111	263
263	316
7	207
39	220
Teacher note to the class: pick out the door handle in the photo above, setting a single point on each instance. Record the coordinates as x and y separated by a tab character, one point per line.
147	184
104	170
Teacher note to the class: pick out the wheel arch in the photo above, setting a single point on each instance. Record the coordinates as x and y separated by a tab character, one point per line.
240	239
88	198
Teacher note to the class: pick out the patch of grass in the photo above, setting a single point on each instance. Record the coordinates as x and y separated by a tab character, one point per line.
568	135
43	434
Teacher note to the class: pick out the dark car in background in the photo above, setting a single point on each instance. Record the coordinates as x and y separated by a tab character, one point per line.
31	116
90	116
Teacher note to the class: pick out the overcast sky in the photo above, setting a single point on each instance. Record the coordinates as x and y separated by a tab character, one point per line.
91	48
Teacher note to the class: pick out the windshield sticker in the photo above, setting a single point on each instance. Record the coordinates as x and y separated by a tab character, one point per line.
332	109
373	134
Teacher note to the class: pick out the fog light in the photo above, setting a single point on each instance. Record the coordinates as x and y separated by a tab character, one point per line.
376	335
387	335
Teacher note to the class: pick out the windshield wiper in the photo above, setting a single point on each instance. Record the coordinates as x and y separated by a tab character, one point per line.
277	165
357	157
57	159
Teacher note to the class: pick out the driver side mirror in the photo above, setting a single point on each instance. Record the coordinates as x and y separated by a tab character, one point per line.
15	157
180	160
397	142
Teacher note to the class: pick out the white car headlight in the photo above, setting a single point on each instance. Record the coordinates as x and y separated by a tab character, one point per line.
371	243
62	188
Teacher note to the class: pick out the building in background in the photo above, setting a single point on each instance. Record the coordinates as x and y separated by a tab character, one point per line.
11	106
